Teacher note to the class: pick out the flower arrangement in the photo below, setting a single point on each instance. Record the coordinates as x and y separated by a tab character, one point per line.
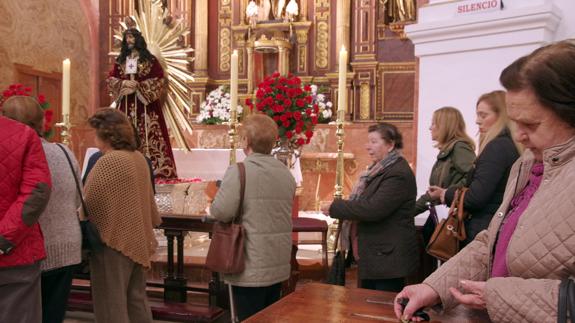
290	104
19	89
325	106
216	108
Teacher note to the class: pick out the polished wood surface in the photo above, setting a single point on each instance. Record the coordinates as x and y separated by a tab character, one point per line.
316	302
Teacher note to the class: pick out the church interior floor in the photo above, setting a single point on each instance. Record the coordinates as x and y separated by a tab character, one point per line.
309	258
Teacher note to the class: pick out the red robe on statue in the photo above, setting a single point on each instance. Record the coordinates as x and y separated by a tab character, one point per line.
143	108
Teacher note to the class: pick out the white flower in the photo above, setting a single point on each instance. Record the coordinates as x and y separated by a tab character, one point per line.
216	107
324	107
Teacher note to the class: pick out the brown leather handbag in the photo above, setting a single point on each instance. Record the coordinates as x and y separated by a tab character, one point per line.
226	254
444	242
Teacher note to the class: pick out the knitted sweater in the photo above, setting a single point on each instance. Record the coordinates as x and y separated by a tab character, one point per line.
120	202
59	222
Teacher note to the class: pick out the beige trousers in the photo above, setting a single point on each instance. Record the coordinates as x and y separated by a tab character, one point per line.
118	288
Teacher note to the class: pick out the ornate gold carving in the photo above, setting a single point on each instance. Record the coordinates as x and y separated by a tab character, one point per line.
322	33
398	116
398	28
301	36
302	54
225	49
397	67
364	98
225	35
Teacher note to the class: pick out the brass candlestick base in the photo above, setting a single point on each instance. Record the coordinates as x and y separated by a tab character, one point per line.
66	127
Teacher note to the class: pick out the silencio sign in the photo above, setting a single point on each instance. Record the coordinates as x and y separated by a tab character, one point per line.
478	6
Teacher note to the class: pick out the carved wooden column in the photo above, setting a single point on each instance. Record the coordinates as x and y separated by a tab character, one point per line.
301	49
201	38
250	59
364	64
342	25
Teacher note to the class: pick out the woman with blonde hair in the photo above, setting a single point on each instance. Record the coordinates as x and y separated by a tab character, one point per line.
497	153
456	154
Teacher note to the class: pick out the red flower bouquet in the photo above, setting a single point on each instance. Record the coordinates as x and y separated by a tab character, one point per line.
19	89
290	104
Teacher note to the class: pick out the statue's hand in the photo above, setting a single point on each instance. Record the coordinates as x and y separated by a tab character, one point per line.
126	91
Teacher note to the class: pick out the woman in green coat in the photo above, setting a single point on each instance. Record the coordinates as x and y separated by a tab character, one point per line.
456	153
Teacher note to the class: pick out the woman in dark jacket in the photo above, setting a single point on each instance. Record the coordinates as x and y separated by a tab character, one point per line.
487	180
380	207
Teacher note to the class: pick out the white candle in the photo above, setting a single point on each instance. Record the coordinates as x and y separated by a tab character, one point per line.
66	87
342	90
234	86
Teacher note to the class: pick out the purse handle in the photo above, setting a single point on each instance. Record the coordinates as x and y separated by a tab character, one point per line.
457	208
242	169
78	189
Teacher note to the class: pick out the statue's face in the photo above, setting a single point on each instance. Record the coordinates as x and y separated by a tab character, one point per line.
130	41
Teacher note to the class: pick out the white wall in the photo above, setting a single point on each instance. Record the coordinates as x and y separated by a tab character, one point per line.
461	57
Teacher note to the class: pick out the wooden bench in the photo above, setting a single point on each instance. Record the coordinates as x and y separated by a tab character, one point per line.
81	300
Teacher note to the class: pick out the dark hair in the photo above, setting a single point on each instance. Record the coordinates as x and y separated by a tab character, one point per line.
140	45
549	72
113	127
389	133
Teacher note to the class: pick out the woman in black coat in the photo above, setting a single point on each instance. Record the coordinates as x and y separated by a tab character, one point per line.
380	208
488	177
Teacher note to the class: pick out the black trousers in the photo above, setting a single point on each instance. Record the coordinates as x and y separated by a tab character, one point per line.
250	300
388	285
56	285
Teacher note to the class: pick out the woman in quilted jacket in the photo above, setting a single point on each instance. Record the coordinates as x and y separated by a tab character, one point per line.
487	179
514	268
266	218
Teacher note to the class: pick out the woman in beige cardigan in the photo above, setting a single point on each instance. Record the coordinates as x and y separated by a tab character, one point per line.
514	268
120	202
266	218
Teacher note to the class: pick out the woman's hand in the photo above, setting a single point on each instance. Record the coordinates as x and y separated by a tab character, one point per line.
419	296
474	297
437	193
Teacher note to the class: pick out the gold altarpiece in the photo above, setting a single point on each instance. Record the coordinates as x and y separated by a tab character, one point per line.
381	73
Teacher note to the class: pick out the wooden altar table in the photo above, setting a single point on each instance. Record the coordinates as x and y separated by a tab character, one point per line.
316	302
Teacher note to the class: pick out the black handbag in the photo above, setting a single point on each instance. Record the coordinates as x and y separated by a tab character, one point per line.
91	240
566	305
336	275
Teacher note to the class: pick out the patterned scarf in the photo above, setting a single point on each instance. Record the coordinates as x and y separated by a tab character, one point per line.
349	228
373	171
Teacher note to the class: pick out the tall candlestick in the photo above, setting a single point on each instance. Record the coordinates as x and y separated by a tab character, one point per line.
66	87
342	90
341	108
233	105
234	83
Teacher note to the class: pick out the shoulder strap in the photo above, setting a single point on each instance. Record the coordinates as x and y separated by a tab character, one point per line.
242	169
78	188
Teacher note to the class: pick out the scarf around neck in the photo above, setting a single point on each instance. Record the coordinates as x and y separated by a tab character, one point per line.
374	170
